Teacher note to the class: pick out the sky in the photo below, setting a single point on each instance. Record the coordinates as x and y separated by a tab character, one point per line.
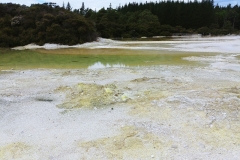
98	4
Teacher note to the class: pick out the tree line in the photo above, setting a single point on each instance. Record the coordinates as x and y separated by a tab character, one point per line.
50	23
164	18
43	23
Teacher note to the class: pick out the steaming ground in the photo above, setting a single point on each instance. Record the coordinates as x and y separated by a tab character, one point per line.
155	112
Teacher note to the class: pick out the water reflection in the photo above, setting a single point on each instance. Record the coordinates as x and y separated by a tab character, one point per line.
99	65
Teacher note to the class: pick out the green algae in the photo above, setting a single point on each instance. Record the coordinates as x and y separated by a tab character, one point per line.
83	58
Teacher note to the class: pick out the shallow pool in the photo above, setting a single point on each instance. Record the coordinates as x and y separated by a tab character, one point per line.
90	58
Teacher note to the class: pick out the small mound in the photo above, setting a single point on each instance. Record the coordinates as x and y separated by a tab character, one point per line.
91	96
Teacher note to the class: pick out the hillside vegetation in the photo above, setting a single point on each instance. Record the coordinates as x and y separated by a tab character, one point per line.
42	23
50	23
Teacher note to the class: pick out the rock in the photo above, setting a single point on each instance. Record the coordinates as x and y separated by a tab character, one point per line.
174	146
108	90
124	98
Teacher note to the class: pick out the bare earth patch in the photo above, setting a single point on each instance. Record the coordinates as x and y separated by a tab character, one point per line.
158	112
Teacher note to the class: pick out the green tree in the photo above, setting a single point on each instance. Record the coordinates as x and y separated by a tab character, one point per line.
68	7
82	9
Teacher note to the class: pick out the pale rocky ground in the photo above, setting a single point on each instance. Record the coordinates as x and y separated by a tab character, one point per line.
132	113
158	112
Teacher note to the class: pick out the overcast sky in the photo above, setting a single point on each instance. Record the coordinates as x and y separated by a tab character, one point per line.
98	4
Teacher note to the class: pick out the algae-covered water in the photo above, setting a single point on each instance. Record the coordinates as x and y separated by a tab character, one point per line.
89	58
